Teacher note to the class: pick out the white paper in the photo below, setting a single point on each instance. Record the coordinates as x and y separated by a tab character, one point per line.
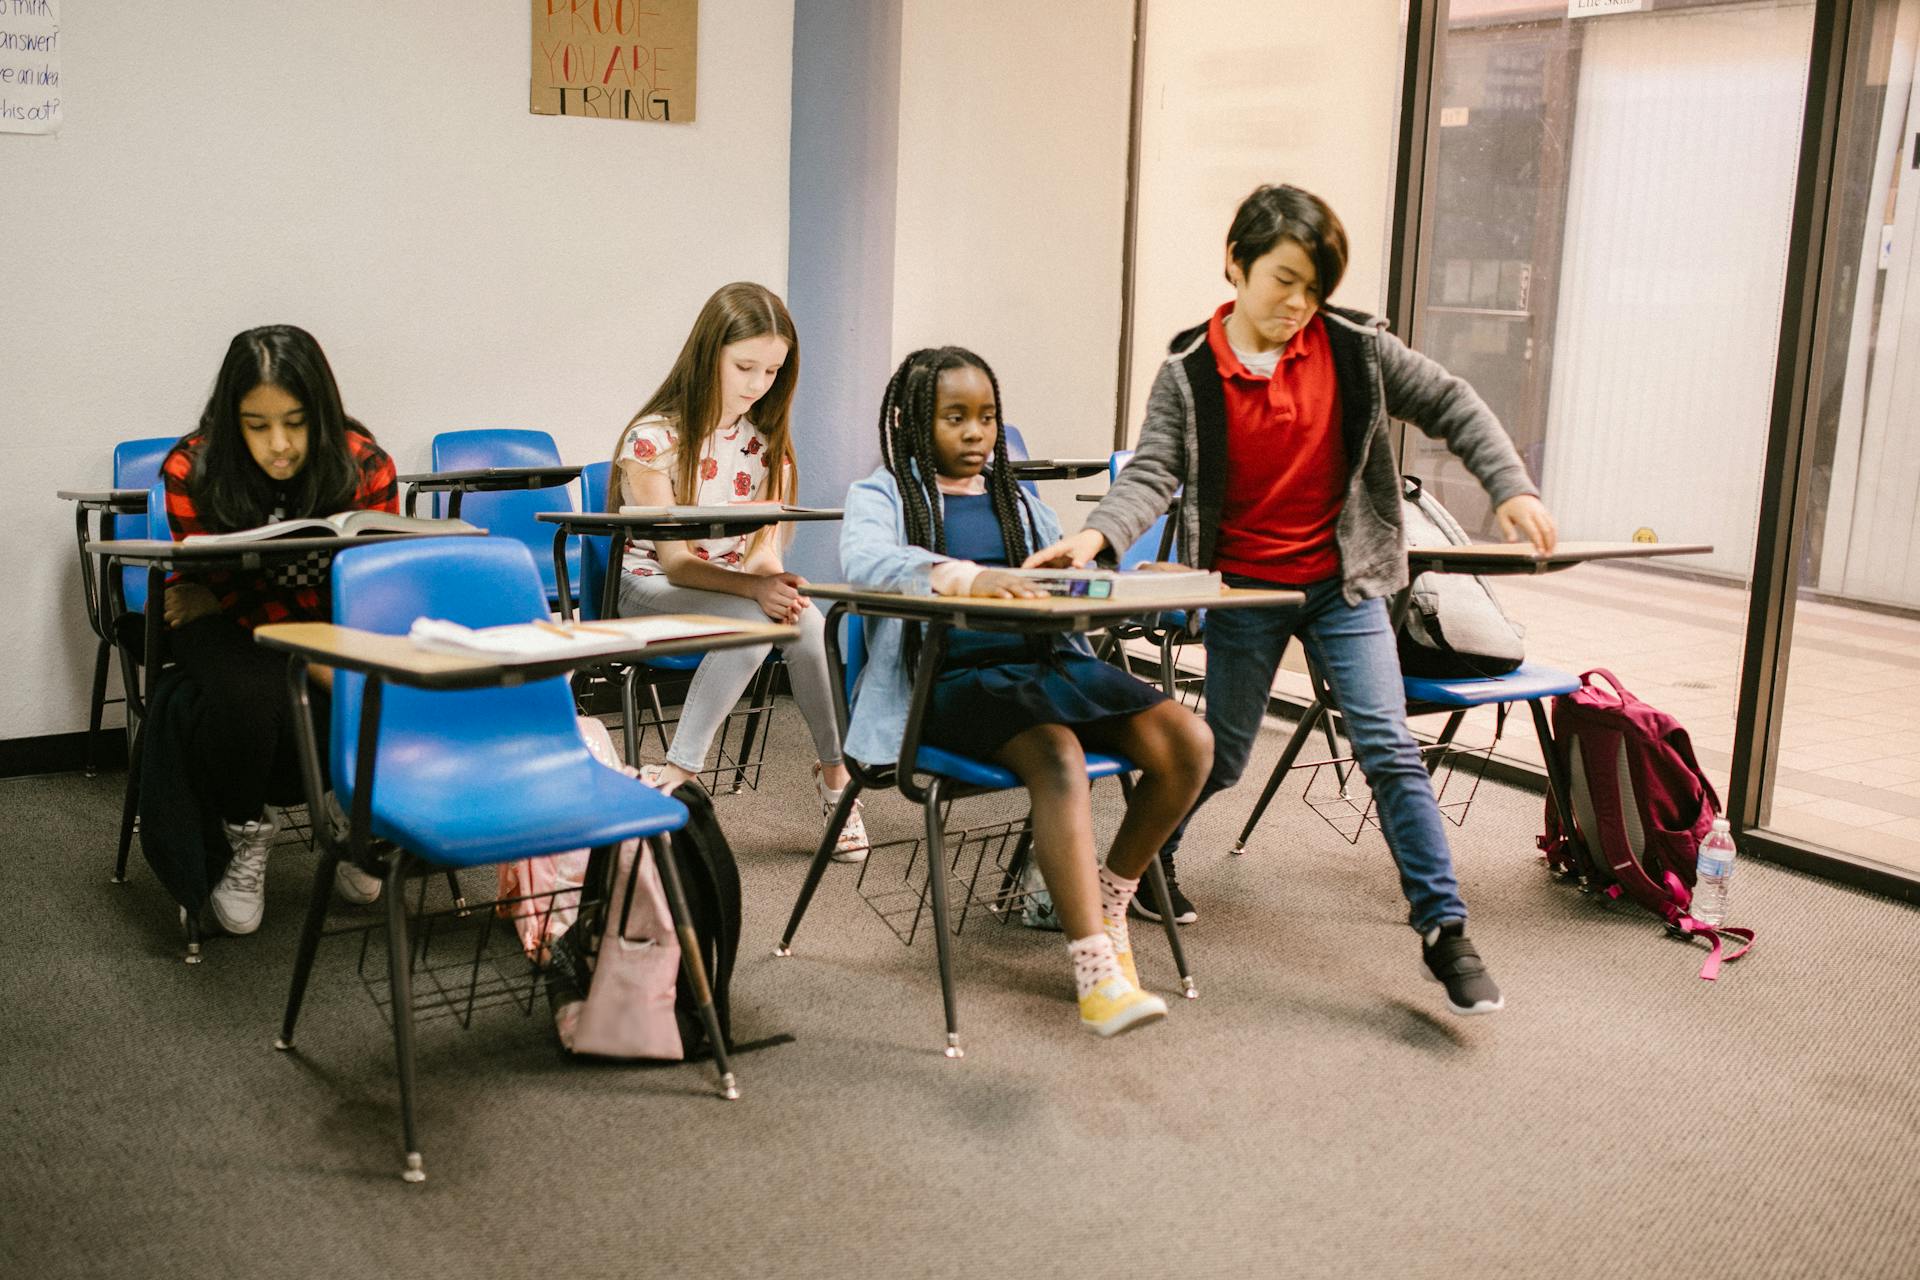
534	641
29	66
1596	8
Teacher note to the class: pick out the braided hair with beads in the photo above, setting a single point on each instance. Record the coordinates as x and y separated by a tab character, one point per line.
906	446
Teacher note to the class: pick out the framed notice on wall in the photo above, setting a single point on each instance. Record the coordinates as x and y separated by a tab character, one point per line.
614	59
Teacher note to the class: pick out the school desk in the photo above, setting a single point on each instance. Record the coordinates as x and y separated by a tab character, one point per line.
1057	468
1457	696
1045	616
91	507
458	484
393	659
660	524
161	556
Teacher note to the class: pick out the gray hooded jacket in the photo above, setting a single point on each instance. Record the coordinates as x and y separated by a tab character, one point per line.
1183	444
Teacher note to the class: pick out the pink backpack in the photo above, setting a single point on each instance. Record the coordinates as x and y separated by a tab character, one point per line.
628	1010
1641	805
632	977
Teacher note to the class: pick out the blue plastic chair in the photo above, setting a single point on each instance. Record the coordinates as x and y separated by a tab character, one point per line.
110	596
591	599
947	777
463	778
1017	452
131	638
509	513
1169	630
136	465
1531	683
593	602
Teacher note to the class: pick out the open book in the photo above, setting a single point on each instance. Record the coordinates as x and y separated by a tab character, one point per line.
344	524
541	640
1144	585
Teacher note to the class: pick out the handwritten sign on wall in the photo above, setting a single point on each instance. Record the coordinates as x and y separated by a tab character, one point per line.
614	59
29	66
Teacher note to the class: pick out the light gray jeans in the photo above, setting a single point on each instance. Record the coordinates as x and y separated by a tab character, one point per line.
724	675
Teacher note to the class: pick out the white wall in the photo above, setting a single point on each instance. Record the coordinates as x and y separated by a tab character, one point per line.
1012	196
369	171
1240	92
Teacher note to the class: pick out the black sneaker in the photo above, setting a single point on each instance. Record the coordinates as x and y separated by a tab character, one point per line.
1453	962
1143	907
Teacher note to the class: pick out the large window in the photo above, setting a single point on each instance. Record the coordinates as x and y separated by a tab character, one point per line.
1847	774
1604	247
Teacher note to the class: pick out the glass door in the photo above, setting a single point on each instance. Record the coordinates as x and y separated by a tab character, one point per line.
1604	252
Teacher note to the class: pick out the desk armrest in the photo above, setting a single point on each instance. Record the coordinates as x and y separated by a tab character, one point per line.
399	660
1050	614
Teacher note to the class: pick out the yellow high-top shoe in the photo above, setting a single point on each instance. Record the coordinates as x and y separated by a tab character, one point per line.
1116	1005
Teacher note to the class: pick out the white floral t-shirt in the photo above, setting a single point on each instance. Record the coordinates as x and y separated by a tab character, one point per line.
733	468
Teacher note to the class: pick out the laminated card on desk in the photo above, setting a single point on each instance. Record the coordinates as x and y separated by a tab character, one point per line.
541	640
344	524
1144	585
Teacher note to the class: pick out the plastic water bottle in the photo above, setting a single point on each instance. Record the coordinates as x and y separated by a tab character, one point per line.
1712	873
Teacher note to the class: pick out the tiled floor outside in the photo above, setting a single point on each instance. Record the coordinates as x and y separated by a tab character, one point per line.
1849	774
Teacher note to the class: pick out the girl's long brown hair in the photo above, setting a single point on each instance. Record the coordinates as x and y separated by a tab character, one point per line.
690	395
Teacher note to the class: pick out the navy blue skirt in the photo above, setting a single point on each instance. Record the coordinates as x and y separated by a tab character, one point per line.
976	710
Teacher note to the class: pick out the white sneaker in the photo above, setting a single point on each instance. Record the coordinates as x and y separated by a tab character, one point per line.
350	882
240	899
852	845
354	885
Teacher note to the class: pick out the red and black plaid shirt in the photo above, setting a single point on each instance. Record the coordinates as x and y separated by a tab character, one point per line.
286	593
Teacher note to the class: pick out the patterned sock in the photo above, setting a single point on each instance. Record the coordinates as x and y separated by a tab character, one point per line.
1115	894
1093	962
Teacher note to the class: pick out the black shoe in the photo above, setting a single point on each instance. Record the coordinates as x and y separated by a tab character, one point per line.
1453	962
1143	907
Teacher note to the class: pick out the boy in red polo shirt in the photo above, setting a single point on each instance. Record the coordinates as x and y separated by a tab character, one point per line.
1274	419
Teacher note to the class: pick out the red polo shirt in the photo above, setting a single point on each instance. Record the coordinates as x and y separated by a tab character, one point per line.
1286	464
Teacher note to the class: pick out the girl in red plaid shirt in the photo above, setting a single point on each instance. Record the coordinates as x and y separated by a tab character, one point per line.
273	444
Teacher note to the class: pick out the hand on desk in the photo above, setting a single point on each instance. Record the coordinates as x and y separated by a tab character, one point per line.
187	602
1068	553
1003	585
1525	516
779	597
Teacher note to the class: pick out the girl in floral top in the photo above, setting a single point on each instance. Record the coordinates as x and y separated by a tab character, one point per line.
717	432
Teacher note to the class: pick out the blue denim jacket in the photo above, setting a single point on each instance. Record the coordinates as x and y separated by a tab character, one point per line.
876	556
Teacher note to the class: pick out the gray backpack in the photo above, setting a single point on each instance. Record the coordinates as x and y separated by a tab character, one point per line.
1455	626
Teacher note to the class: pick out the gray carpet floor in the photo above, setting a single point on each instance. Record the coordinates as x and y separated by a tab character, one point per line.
1316	1112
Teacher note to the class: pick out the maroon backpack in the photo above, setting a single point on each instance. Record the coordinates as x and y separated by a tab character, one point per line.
1641	806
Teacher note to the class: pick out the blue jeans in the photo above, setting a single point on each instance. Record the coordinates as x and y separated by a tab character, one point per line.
1352	647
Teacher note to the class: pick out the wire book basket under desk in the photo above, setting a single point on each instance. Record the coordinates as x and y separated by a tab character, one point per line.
893	880
1337	792
464	959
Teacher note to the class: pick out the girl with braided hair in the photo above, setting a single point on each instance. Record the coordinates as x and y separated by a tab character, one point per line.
943	515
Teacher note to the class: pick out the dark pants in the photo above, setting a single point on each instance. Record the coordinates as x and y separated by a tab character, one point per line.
242	750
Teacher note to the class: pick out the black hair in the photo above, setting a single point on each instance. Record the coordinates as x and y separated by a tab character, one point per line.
906	446
229	487
1275	213
906	436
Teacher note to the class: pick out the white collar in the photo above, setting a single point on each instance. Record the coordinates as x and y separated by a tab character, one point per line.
973	485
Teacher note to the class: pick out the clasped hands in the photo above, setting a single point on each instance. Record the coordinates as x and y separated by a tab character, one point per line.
780	598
